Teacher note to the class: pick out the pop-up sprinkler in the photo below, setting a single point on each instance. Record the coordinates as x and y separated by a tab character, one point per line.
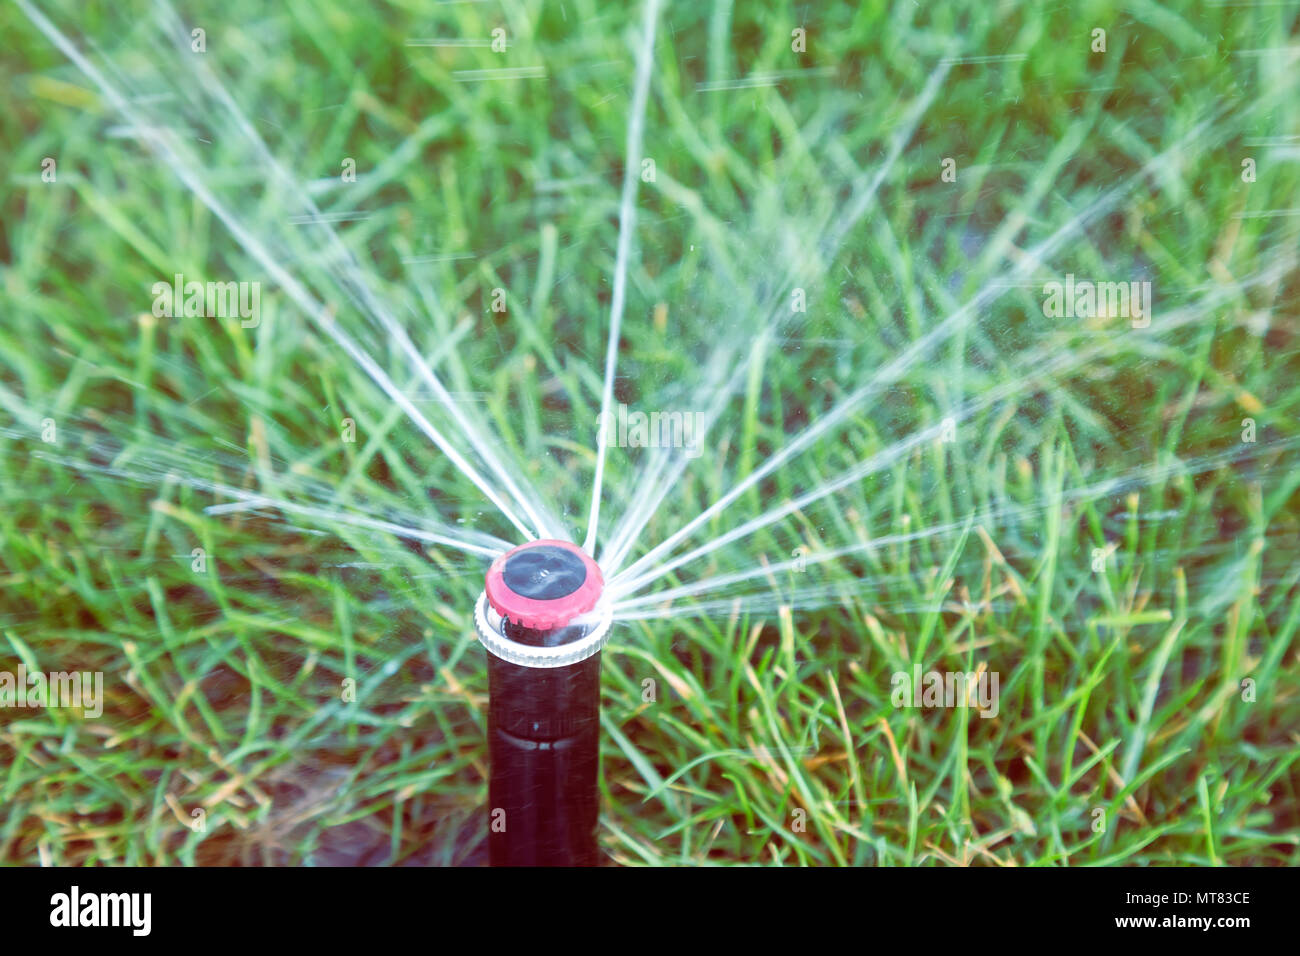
540	620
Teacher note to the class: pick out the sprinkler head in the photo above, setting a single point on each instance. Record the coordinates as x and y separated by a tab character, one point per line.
537	603
541	618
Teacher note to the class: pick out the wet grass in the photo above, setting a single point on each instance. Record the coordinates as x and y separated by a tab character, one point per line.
1101	536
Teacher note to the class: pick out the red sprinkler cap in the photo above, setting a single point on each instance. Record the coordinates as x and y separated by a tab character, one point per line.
543	584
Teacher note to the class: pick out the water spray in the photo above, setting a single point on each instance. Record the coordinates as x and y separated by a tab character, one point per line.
541	619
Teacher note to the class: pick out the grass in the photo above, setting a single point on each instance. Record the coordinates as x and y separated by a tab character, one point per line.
1096	532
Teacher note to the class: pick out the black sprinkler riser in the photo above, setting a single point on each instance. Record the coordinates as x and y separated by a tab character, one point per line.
543	744
536	620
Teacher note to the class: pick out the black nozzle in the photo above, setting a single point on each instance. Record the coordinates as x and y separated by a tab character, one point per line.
544	572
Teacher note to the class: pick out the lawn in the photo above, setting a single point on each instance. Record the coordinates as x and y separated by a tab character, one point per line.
847	220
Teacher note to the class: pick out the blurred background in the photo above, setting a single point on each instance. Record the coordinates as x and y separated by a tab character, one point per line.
264	523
